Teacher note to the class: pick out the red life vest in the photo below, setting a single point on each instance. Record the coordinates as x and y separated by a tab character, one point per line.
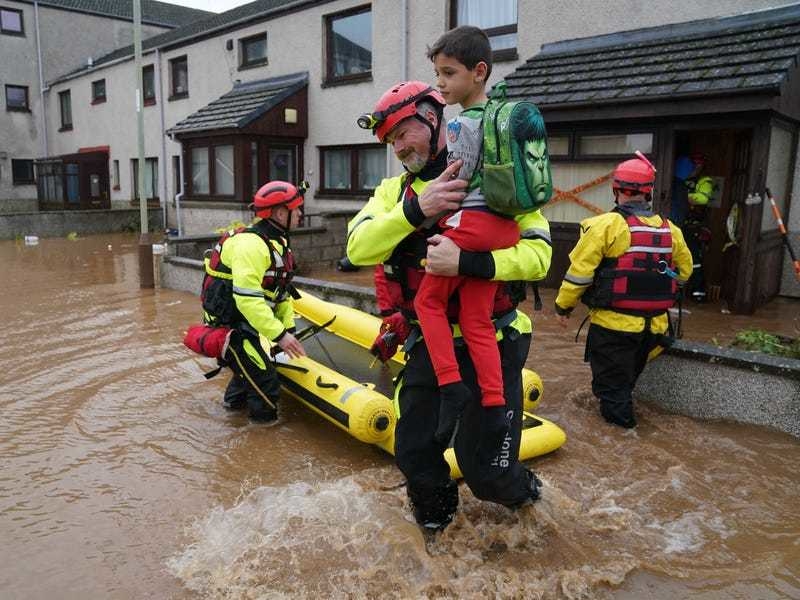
631	283
403	271
217	290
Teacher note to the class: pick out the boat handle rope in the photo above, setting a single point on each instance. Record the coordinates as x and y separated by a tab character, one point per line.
330	386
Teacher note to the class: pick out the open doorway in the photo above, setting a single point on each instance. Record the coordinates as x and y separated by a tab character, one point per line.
723	155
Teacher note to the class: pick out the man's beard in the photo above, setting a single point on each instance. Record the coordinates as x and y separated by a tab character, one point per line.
414	162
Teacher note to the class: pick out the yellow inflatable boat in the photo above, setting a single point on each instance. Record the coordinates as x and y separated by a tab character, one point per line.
366	410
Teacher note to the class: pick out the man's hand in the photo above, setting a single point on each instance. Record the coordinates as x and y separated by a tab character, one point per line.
289	344
563	320
443	256
443	194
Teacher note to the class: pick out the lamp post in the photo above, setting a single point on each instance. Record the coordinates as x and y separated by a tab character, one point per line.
146	279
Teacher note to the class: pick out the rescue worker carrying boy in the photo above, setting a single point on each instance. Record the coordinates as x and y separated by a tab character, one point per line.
397	228
626	266
247	287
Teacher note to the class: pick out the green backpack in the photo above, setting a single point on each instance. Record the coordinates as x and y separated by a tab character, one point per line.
516	164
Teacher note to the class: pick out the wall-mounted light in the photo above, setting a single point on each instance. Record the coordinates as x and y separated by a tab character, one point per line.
290	115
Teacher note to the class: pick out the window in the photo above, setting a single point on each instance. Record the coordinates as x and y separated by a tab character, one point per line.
65	103
200	174
615	144
498	18
98	91
352	170
558	145
22	171
115	174
212	171
11	22
17	98
49	179
179	77
253	51
348	38
223	170
150	178
149	84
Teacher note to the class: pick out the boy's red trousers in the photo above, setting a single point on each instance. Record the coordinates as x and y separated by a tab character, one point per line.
473	230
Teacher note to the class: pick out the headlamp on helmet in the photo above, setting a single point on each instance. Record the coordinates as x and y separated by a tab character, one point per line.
397	104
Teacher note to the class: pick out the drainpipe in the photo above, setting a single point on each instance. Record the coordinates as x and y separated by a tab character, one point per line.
41	79
162	169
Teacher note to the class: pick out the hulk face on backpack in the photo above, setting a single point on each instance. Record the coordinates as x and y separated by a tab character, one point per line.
537	169
516	176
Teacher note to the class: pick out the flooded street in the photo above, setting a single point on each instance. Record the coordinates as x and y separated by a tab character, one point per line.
123	476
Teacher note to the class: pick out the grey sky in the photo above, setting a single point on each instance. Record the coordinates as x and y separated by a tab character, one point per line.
217	6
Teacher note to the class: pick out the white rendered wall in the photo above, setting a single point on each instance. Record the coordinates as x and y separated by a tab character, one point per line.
296	43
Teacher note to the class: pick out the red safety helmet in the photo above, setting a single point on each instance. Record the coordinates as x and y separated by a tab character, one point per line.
396	104
276	193
634	176
699	159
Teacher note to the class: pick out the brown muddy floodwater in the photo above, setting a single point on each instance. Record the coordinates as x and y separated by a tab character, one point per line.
123	477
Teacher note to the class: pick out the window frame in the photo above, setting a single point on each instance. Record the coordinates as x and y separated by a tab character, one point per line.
27	107
61	95
575	134
329	78
96	99
148	100
575	145
210	144
21	32
115	175
250	64
503	55
354	149
173	62
15	180
135	178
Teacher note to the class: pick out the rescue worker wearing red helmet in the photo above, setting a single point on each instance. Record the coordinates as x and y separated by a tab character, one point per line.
626	266
398	228
247	287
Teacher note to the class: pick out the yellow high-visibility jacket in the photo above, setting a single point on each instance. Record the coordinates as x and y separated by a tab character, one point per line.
247	256
608	236
382	224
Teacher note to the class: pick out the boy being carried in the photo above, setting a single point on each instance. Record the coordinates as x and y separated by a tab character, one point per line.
462	58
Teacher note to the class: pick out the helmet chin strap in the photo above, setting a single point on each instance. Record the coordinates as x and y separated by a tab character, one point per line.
284	227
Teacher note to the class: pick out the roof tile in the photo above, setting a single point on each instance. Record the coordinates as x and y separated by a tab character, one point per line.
734	54
243	104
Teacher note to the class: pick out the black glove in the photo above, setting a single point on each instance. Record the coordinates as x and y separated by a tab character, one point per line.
454	398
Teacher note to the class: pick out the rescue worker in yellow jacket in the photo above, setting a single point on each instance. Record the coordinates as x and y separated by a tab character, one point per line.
248	288
627	267
399	229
